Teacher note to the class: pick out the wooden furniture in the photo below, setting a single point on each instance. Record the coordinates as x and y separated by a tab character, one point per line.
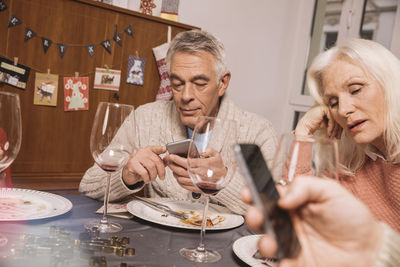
55	147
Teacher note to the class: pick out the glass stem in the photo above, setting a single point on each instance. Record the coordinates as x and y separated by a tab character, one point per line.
201	247
104	220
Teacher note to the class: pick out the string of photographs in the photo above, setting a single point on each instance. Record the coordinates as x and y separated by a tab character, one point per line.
76	96
76	88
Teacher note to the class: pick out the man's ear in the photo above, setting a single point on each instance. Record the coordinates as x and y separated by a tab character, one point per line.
224	83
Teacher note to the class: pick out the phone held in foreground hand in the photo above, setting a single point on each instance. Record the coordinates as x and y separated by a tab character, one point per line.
180	148
277	221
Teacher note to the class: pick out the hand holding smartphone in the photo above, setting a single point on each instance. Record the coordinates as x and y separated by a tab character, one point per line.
277	221
180	148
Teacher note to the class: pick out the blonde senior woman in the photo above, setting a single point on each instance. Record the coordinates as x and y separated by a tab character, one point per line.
357	89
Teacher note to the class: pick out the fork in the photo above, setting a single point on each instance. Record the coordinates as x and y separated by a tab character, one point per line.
162	207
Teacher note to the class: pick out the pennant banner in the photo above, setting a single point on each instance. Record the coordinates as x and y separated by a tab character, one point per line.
3	6
14	21
117	39
128	31
46	44
90	49
107	45
29	34
61	49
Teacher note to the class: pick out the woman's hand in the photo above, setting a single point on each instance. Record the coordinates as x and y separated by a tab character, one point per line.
318	118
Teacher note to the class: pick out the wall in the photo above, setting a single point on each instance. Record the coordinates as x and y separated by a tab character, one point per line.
258	38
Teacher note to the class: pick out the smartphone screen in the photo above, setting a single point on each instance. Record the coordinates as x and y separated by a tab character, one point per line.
265	196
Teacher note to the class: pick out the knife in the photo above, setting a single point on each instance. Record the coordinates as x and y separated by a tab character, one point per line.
162	208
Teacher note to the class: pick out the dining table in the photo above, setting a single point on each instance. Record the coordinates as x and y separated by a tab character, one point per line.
154	244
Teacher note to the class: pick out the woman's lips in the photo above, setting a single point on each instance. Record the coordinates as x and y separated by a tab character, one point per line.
356	126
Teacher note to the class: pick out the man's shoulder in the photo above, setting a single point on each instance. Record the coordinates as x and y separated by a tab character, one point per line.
155	106
249	118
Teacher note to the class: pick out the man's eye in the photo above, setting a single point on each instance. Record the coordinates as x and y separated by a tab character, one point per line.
200	84
176	85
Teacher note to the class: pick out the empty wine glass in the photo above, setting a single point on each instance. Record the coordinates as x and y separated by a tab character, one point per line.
107	152
211	166
308	155
10	131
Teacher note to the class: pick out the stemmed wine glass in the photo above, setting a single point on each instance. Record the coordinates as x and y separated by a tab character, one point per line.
10	131
308	155
210	169
109	154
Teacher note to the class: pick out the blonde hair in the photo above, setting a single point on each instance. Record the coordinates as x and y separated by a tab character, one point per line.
380	64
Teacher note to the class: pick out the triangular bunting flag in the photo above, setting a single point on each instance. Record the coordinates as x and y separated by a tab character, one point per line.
107	45
117	39
3	6
46	44
29	34
61	49
128	31
14	21
90	49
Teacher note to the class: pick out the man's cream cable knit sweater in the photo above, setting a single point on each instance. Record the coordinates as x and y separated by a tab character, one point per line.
157	124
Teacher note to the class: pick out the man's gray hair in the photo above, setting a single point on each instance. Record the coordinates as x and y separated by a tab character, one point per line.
197	41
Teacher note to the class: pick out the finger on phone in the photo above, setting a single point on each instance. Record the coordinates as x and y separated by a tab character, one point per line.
267	246
254	218
246	195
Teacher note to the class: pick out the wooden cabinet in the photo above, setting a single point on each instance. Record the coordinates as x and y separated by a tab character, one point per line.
55	144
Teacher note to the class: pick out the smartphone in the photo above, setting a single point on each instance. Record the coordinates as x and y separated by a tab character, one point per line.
180	148
277	221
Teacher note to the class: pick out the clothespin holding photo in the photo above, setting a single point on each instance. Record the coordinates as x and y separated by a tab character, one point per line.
136	54
106	67
48	71
76	75
15	61
169	34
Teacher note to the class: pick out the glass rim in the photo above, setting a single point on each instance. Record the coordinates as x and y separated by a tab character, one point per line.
309	138
115	104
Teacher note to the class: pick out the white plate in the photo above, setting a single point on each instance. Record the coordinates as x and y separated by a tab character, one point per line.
245	247
143	211
23	204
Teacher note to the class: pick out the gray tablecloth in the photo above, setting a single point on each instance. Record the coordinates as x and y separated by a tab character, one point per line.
155	245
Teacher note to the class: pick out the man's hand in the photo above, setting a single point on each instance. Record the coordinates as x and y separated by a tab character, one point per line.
208	160
179	168
333	227
144	165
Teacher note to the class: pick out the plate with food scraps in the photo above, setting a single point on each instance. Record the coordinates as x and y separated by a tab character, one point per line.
18	204
245	248
218	217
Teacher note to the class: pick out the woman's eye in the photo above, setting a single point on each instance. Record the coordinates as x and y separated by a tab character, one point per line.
355	91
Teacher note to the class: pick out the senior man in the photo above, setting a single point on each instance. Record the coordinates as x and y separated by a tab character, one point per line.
199	79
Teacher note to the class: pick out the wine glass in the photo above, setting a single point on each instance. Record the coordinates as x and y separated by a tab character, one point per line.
308	155
10	131
109	154
210	169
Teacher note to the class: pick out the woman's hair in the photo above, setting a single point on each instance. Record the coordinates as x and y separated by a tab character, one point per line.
197	41
378	63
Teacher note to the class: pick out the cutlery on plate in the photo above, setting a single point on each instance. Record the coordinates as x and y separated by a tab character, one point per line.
162	208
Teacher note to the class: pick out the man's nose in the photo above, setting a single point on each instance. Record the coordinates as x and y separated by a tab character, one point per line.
188	92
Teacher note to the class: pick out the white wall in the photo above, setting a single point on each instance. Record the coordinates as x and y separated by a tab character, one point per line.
257	35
